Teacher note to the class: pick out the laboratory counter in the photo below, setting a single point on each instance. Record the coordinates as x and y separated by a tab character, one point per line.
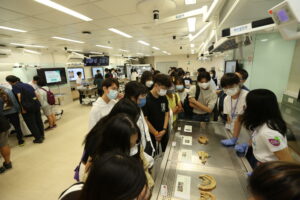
180	168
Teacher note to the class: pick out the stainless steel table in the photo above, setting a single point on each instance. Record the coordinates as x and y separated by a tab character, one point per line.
181	159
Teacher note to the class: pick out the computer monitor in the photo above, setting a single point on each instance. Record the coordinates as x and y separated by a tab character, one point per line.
95	69
72	73
53	76
231	66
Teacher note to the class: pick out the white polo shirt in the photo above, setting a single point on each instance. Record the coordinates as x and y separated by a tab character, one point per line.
99	110
265	142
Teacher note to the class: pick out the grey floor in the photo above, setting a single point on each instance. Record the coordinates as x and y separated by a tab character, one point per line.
43	171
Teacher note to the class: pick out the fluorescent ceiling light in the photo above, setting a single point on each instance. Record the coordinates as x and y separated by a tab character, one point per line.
156	48
28	45
190	2
66	39
201	31
192	24
117	55
264	40
12	29
192	45
75	50
64	9
95	52
120	32
165	52
102	46
193	51
30	51
144	43
139	53
124	50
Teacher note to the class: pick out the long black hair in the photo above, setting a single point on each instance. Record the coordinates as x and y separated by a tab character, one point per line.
262	107
114	176
146	76
276	181
134	89
123	106
115	135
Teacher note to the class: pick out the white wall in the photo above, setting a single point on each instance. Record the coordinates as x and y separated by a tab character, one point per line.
294	78
191	64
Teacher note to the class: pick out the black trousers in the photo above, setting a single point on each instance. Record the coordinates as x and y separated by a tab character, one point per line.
34	123
15	121
164	142
81	96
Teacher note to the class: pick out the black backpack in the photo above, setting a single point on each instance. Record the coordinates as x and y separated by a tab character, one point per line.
188	110
4	124
29	103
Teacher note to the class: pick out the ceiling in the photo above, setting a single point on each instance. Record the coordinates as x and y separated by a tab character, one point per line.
42	23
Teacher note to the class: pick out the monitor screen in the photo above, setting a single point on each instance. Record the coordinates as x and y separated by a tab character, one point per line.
96	61
230	66
53	76
94	71
72	72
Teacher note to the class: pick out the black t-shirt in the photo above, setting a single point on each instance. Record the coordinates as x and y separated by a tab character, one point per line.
155	110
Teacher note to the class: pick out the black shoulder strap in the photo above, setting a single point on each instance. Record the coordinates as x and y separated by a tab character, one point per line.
197	92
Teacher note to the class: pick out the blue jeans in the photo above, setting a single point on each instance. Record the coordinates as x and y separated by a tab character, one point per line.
201	117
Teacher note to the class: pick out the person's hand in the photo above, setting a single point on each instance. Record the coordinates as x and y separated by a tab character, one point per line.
159	136
192	100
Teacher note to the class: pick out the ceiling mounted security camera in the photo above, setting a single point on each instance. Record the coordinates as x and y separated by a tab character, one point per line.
174	37
155	15
180	47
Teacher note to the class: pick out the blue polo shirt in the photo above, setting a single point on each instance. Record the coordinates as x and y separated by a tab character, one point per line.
17	88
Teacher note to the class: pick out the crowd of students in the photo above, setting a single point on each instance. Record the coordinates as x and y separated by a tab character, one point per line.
26	101
127	131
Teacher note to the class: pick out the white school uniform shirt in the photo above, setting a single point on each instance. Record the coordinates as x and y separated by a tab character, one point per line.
35	86
145	135
79	82
43	98
99	110
235	107
265	142
183	94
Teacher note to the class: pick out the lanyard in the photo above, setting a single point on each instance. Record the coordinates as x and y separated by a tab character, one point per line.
233	115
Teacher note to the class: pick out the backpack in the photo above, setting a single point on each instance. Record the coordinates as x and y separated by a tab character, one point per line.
50	97
29	103
188	110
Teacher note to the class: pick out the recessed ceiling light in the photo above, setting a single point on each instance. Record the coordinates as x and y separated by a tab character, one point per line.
120	32
144	43
191	24
192	45
165	52
28	45
124	50
64	9
264	40
66	39
156	48
190	2
12	29
102	46
193	51
30	51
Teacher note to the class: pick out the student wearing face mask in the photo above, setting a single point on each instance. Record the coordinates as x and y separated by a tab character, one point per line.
187	80
113	176
137	93
147	79
206	98
156	111
104	104
213	76
120	133
234	106
174	102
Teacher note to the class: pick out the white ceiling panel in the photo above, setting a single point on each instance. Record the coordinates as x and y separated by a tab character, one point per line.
58	18
69	3
33	23
92	11
109	22
118	7
133	19
6	15
26	7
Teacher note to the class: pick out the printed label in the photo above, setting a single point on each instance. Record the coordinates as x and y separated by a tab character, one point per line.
275	142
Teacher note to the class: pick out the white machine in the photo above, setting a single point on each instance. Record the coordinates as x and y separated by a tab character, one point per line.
286	16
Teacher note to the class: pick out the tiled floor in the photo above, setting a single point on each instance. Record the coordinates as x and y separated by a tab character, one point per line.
43	171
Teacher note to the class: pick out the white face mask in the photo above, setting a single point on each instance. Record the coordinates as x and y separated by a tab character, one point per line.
149	84
204	85
232	91
162	92
134	150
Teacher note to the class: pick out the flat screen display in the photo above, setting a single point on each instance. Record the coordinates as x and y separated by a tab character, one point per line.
72	73
53	76
96	61
94	71
230	66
